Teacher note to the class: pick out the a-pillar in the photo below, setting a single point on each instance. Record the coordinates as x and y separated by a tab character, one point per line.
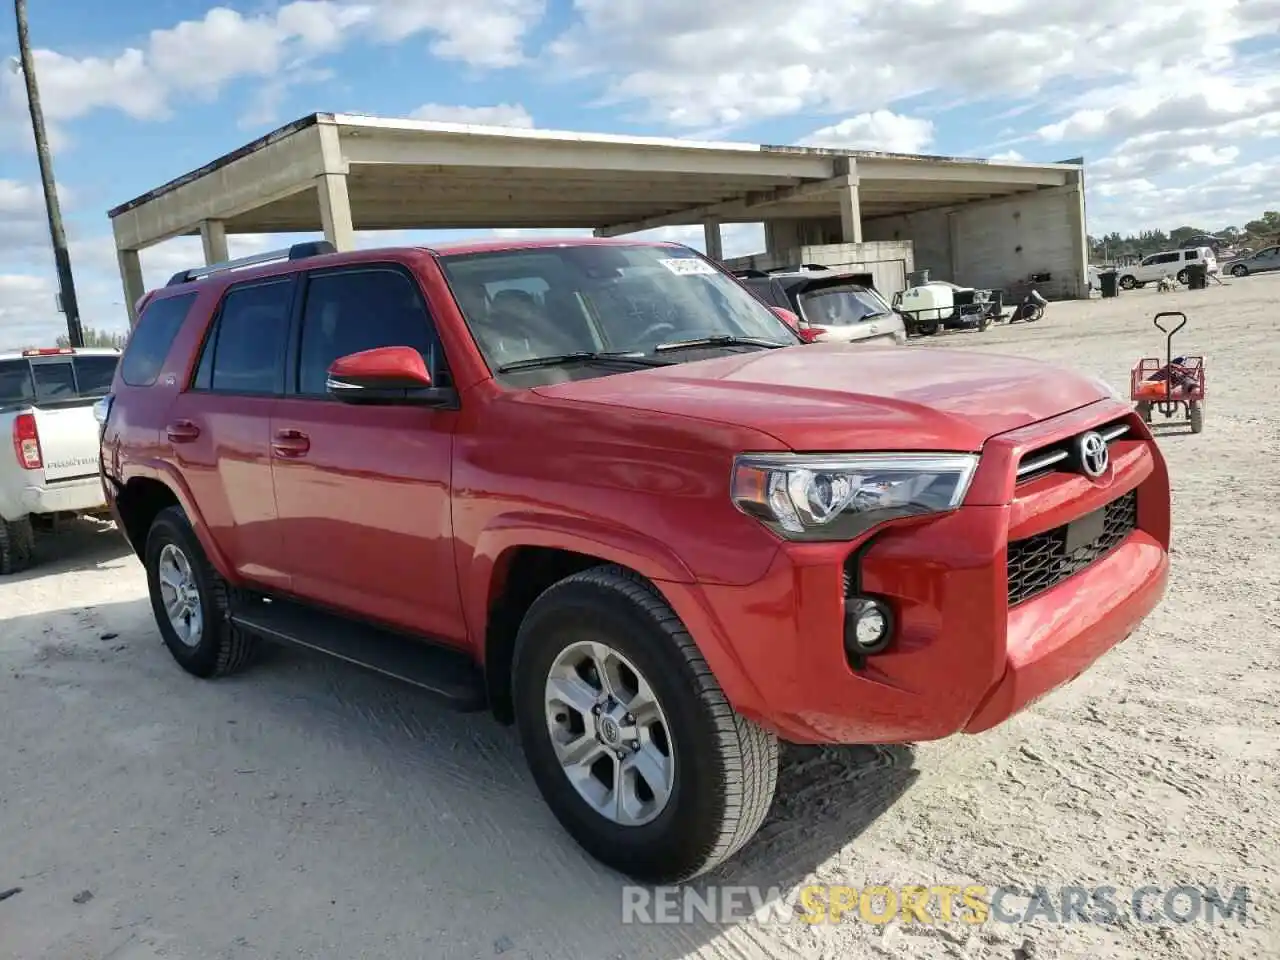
850	205
335	210
712	241
213	237
131	281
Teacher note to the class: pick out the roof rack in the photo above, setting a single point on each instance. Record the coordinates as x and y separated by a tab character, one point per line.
299	251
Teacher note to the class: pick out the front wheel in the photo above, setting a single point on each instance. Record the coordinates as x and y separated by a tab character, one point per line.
1239	270
191	601
628	735
1128	282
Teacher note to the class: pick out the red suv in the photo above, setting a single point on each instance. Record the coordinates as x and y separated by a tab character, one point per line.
601	490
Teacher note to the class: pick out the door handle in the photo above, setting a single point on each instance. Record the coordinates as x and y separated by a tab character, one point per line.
182	431
290	443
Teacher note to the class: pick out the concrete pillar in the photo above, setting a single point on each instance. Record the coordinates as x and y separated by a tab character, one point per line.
850	207
335	210
131	280
213	236
850	213
1076	223
711	239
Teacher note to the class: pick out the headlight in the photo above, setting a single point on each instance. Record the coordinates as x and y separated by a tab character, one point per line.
824	497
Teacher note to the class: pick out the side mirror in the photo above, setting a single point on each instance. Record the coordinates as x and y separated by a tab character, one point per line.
385	375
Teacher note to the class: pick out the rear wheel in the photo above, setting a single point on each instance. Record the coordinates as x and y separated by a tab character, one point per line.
17	545
1183	277
629	737
191	601
1196	416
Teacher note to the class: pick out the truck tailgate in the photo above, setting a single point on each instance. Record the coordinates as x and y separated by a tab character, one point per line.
68	440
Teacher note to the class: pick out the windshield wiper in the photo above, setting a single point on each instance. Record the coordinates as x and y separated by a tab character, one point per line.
583	356
723	340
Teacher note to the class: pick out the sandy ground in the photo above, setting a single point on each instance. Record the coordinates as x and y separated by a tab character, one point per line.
309	810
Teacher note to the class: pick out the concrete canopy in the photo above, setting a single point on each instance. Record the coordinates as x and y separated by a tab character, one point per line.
342	173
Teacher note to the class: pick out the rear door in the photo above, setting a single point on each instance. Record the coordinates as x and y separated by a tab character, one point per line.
59	389
219	429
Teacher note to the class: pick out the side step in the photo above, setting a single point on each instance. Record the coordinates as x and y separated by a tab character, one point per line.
448	674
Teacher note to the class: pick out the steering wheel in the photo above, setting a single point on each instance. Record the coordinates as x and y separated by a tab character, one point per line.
655	328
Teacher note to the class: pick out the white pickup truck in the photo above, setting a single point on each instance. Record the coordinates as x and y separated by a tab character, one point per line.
51	467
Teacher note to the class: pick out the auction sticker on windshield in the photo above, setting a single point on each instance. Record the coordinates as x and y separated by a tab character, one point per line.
688	266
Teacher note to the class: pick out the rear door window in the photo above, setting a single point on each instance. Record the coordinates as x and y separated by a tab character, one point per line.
152	337
244	352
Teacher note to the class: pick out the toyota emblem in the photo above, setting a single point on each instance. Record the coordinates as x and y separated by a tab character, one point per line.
1092	454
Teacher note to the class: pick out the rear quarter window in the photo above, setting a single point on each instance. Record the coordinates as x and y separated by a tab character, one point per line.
152	337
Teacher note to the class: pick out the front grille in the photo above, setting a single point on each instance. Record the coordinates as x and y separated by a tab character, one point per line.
1039	562
1061	455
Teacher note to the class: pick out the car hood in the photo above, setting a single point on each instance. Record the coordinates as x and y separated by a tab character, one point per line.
839	396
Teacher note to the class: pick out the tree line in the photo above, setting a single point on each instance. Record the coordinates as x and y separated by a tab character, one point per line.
1256	233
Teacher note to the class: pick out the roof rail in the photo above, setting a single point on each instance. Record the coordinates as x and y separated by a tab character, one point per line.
299	251
799	268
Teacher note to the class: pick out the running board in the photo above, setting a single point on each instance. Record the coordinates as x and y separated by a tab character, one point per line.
448	674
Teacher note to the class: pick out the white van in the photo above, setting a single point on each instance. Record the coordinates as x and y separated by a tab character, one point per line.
1170	263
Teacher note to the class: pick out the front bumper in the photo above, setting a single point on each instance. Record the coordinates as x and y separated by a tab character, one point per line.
963	659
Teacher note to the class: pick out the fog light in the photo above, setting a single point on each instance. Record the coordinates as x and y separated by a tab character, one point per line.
868	626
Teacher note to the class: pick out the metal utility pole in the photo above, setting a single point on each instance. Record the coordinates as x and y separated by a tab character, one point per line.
62	259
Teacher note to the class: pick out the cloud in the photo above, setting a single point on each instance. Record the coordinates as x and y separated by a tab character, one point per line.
726	61
197	58
499	115
881	130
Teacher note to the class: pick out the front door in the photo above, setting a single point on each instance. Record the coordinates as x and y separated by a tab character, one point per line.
219	428
363	492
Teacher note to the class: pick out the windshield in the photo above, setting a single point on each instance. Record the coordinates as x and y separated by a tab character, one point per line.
842	306
25	382
604	298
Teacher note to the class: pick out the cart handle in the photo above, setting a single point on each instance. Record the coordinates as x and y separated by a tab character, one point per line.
1170	313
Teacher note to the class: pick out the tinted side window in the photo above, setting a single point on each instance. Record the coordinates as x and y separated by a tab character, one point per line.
248	344
353	310
151	339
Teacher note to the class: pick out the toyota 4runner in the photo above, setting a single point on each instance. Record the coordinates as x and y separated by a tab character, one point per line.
594	487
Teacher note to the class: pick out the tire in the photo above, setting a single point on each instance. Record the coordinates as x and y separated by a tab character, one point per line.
1183	277
17	545
984	323
724	768
1239	270
220	648
1144	410
927	329
1196	416
1128	282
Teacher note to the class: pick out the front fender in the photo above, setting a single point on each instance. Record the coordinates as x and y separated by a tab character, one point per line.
166	474
629	548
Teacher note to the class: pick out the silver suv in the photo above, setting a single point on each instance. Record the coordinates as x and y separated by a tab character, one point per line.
832	305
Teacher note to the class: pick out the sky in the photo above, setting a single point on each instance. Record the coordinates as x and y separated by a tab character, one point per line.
1174	104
